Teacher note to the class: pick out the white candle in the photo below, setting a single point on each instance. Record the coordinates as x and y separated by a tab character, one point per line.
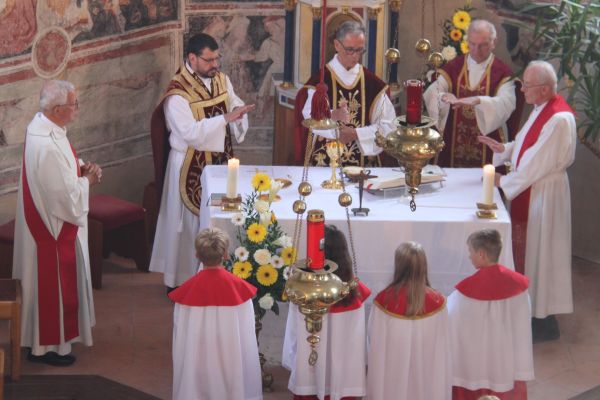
489	173
233	168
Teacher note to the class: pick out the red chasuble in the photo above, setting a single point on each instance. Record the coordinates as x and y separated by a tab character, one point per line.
362	295
460	133
395	304
519	207
361	97
56	261
495	282
213	287
204	103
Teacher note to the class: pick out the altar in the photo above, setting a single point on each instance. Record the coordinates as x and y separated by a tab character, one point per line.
444	218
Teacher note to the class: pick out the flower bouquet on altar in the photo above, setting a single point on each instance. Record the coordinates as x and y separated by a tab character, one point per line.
265	254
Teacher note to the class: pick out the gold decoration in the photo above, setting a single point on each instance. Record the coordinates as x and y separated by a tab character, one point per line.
435	60
314	291
317	13
392	55
304	188
344	199
289	5
373	12
345	10
231	204
487	211
413	146
395	5
299	206
423	46
334	150
287	85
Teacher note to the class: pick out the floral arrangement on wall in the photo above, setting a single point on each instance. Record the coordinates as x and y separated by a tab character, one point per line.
265	253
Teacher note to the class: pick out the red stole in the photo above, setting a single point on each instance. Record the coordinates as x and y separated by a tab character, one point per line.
363	293
213	287
56	261
395	304
519	208
495	282
460	133
519	392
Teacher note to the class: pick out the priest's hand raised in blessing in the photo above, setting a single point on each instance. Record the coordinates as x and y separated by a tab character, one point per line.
347	134
494	145
238	112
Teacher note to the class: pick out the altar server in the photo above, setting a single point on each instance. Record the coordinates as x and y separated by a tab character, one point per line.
490	326
409	343
215	355
340	369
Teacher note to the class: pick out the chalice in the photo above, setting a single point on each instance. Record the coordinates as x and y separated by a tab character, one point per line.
334	150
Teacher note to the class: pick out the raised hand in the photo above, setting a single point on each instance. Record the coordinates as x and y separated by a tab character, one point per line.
341	114
347	134
238	112
494	145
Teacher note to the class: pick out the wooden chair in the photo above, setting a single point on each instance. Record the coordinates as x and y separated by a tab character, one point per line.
10	309
7	239
116	225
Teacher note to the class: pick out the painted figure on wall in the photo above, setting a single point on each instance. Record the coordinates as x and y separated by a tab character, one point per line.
19	26
73	16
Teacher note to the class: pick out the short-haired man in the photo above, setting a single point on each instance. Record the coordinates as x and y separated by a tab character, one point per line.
359	100
538	188
51	251
474	95
190	128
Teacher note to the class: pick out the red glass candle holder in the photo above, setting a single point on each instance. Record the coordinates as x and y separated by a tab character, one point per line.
414	101
315	239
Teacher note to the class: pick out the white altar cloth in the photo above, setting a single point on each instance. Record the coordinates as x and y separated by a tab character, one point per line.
444	218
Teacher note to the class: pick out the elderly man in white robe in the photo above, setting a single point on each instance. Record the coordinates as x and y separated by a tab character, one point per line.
538	189
51	251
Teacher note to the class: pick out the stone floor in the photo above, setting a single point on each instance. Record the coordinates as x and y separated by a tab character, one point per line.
132	338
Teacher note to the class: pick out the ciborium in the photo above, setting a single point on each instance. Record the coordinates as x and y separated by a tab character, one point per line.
413	146
314	292
334	150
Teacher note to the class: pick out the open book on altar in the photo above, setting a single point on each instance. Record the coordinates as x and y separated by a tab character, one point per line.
429	174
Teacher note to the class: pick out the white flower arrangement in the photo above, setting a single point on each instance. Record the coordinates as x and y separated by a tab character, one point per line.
266	302
449	53
262	256
241	253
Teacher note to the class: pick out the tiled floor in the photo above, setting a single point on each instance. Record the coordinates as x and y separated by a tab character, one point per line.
132	338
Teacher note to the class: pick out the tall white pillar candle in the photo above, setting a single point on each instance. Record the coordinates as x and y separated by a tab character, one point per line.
489	173
233	168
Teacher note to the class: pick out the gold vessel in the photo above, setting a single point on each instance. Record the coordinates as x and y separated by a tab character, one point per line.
314	291
413	146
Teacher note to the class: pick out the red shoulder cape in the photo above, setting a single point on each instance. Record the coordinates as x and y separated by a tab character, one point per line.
213	287
363	293
493	283
396	304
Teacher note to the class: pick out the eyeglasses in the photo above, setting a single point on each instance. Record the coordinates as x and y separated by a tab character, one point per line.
74	105
351	50
216	60
526	86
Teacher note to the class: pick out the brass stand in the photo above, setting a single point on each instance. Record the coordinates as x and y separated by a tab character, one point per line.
229	204
334	149
487	211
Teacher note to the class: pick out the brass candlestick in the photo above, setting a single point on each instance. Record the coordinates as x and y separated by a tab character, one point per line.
231	204
334	149
487	211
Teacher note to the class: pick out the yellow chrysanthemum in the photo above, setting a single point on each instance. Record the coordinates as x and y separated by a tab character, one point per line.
242	269
261	182
456	34
464	47
289	255
461	20
256	232
266	275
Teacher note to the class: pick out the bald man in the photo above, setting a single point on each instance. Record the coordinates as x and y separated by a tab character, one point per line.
538	189
474	95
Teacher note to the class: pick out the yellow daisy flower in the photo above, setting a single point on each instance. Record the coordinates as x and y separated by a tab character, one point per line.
242	269
261	182
266	275
461	19
256	232
456	34
464	47
289	255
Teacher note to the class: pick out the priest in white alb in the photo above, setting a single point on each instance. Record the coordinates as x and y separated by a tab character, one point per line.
51	239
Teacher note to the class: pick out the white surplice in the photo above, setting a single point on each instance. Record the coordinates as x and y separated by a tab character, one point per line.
491	113
408	359
382	112
491	341
173	252
215	355
543	167
340	368
59	196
